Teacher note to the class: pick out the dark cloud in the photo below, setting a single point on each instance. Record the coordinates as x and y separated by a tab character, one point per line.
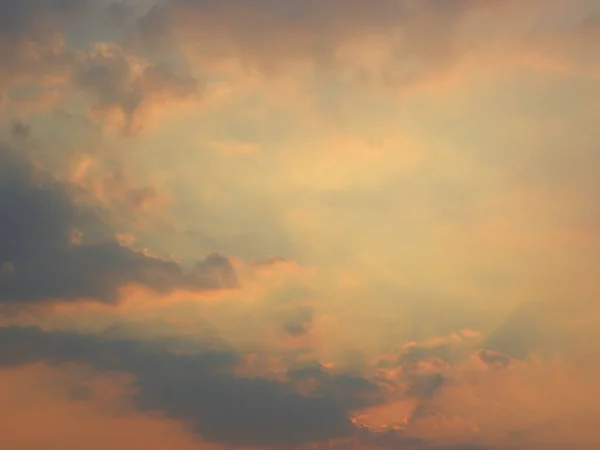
417	353
46	263
424	385
392	440
201	388
494	359
450	349
541	329
423	370
458	447
20	129
139	198
35	49
118	82
20	17
216	266
300	322
520	335
344	387
266	34
119	185
31	49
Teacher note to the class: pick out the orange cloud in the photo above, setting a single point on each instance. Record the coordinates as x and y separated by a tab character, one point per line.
71	407
488	399
389	44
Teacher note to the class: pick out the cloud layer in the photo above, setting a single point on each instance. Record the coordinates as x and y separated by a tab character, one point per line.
299	224
44	258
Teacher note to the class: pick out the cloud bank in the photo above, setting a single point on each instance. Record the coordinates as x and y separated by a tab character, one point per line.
299	224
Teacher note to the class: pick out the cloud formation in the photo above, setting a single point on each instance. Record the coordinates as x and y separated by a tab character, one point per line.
31	46
47	263
269	36
201	388
425	173
125	89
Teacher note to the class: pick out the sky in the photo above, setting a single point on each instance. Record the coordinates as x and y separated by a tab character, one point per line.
299	224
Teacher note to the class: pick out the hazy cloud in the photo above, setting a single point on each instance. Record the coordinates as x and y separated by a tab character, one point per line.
36	239
200	388
267	35
428	168
300	321
124	89
20	129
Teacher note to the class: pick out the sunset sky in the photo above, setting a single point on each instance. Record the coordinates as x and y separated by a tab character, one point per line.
299	224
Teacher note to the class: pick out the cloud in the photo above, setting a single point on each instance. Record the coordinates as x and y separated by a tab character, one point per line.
201	388
31	47
420	404
39	57
300	322
126	90
384	42
114	187
20	17
270	35
36	240
448	400
20	129
453	210
73	405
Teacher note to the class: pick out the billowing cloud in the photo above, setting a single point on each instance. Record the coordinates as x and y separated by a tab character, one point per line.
389	43
46	263
20	129
201	388
126	89
271	36
31	46
426	172
420	402
300	321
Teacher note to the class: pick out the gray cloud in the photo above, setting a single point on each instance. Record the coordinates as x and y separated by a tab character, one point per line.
118	82
30	47
300	322
266	34
201	389
20	129
532	329
36	50
424	385
36	243
20	17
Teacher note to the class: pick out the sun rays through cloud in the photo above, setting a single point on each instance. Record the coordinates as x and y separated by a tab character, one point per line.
299	224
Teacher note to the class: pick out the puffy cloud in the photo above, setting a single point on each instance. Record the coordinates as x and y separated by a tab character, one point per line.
114	187
41	58
302	28
419	403
36	240
20	129
484	194
300	321
20	17
446	401
126	90
31	46
270	36
390	43
201	388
